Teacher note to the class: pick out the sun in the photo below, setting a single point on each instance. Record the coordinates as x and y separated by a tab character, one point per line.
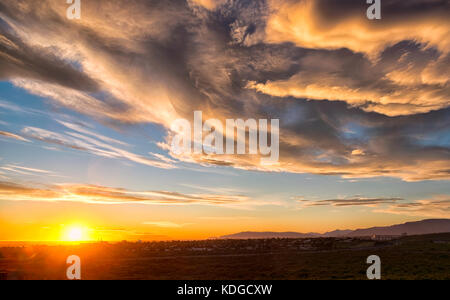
75	234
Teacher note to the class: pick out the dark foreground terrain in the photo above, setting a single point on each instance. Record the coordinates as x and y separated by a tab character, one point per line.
414	257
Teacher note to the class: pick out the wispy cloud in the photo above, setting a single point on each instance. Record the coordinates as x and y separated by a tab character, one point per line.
13	136
435	207
86	131
105	195
30	169
16	169
222	190
346	202
234	218
95	144
15	108
126	234
166	224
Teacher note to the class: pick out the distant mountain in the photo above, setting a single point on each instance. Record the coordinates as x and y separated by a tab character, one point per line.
269	235
337	233
412	228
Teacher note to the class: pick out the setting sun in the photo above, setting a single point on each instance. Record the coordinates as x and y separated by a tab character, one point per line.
75	234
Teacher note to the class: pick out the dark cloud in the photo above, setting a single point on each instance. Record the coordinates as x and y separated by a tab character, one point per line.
19	60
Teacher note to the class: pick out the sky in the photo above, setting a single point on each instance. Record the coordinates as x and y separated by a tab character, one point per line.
86	108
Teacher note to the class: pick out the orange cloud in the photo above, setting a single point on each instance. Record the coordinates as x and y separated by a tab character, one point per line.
417	84
106	195
400	102
333	25
329	24
209	4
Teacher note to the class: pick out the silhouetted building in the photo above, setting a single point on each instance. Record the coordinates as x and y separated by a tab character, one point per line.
385	237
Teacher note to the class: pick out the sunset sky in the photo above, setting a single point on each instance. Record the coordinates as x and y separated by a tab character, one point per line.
86	108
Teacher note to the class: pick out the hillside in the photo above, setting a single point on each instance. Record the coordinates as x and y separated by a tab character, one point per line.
412	228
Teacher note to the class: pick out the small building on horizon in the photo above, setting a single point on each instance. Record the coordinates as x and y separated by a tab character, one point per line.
385	237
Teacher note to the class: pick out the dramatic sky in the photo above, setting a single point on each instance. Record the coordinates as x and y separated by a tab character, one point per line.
86	108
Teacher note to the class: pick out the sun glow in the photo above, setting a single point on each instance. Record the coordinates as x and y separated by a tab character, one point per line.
76	234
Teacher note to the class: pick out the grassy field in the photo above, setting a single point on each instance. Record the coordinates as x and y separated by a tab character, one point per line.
411	258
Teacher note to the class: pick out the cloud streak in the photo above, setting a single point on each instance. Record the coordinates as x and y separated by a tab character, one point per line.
16	169
435	207
106	195
95	144
13	136
165	224
347	202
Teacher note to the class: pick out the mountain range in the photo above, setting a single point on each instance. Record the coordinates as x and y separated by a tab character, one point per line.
412	228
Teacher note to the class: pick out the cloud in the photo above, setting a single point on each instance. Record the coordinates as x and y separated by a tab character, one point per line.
166	224
13	136
95	144
414	86
209	4
21	60
126	234
11	191
355	201
322	139
230	219
80	129
14	108
436	207
331	24
106	195
26	171
339	84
